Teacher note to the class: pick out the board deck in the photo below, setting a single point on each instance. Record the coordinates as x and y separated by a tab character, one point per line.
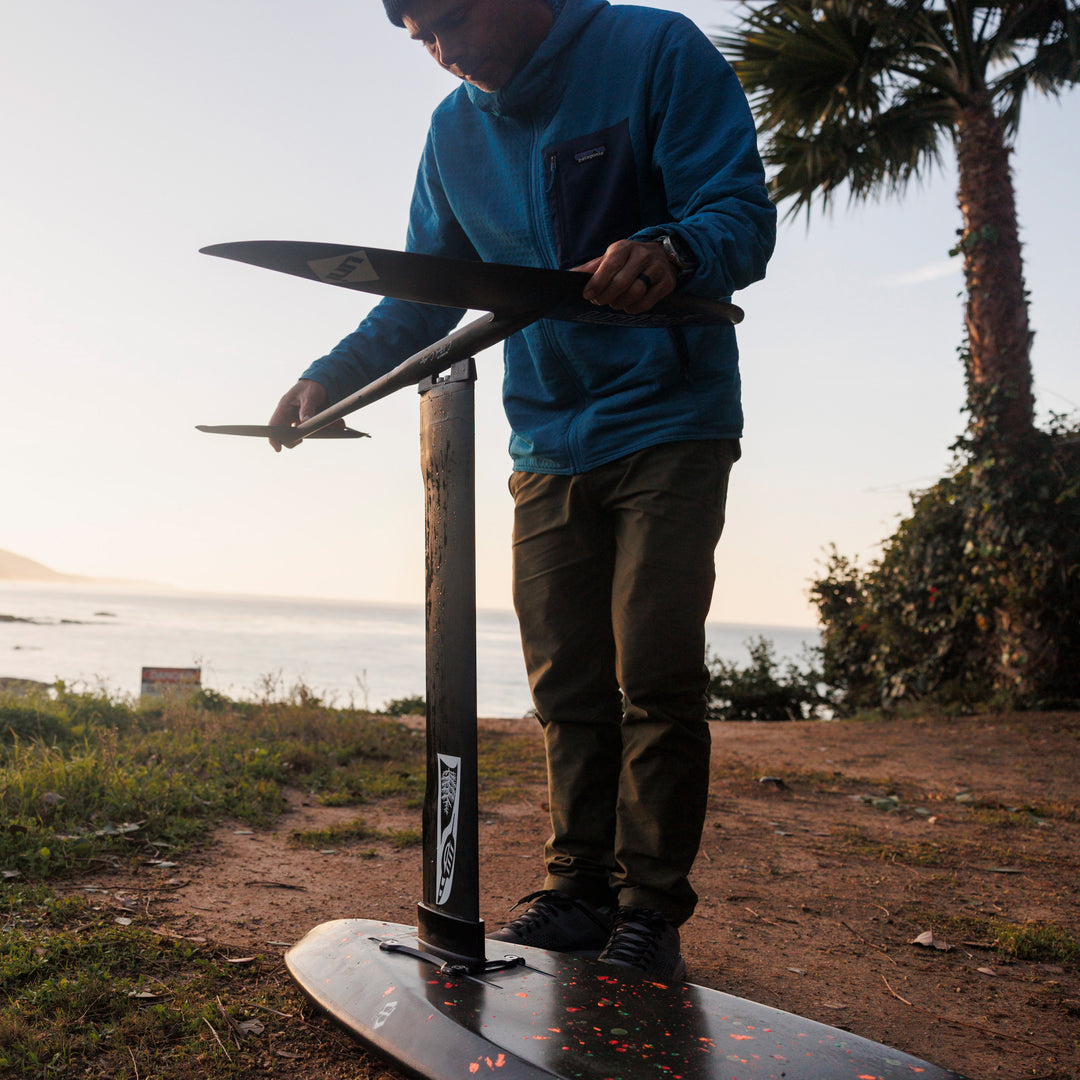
559	1016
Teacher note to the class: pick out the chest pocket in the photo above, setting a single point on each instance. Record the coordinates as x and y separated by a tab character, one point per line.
592	193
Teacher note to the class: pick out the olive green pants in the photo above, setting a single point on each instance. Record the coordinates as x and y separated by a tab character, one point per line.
613	578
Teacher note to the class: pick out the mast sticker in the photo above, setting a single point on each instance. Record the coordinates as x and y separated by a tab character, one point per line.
446	834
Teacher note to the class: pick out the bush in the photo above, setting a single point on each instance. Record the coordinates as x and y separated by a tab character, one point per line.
22	721
762	691
976	598
406	706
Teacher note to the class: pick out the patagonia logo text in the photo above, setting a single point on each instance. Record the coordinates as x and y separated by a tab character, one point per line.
590	155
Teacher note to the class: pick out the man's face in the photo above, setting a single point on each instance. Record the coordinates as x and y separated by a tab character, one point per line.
484	42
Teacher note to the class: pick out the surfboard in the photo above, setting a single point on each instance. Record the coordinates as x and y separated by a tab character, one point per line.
553	1015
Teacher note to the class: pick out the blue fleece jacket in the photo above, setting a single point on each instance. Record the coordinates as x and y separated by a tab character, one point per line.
625	122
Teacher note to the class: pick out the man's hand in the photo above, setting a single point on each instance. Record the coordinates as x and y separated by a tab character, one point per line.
631	276
305	400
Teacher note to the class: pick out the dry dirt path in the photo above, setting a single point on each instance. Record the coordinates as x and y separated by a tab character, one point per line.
829	848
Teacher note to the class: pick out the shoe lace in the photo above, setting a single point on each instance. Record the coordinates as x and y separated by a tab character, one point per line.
545	907
636	937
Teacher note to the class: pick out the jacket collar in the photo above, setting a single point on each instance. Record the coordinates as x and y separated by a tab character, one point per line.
538	86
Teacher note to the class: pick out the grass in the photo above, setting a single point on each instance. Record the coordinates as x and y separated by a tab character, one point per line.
856	841
86	779
352	832
85	997
1031	941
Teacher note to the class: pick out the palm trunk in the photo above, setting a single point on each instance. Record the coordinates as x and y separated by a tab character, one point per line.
998	336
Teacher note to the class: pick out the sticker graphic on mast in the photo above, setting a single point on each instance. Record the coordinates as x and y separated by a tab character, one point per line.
446	836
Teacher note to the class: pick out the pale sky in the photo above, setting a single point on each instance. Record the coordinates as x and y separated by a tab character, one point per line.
134	133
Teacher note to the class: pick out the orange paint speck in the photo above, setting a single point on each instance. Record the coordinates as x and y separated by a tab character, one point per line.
389	990
474	1067
522	994
743	1038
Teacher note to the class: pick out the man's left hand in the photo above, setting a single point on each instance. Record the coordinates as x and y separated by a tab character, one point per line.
631	276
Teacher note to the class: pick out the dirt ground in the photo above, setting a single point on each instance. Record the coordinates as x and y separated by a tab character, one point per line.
829	848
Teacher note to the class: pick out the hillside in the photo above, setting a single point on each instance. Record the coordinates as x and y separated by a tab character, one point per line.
19	568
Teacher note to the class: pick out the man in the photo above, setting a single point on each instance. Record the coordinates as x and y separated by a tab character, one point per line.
617	141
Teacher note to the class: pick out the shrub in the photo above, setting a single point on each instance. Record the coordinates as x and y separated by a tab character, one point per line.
762	691
976	598
406	706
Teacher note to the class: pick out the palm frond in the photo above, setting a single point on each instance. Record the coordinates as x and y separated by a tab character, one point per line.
862	93
870	158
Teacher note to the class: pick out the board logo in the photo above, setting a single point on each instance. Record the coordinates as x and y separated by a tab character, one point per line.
352	269
384	1014
446	833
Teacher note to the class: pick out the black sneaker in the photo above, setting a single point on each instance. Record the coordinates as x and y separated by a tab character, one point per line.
558	922
645	940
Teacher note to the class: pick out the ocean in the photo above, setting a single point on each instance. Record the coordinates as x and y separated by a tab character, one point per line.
249	647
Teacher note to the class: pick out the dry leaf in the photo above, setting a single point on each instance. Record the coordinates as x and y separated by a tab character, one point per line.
928	941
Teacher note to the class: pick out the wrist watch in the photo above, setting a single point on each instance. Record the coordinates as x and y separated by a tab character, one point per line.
681	260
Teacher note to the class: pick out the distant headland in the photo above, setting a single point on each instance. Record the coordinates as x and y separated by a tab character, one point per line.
19	568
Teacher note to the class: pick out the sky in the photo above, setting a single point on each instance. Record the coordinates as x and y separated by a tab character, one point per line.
133	134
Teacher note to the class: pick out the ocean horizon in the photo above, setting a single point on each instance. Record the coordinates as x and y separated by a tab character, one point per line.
348	652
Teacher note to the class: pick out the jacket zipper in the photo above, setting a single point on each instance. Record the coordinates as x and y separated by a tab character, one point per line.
539	206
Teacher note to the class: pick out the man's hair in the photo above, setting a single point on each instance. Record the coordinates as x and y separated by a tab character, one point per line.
393	11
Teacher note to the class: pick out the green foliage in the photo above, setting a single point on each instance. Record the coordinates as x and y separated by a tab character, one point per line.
36	718
866	93
976	598
85	777
406	706
762	691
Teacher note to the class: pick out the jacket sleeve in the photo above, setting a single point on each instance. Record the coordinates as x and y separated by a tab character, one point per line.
705	149
395	329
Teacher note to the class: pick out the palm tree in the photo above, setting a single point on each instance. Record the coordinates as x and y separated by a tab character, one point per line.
864	93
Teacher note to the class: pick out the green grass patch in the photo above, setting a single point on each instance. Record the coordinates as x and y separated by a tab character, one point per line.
81	996
1032	941
508	762
348	833
86	778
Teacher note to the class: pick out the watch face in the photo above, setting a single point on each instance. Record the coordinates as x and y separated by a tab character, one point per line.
683	263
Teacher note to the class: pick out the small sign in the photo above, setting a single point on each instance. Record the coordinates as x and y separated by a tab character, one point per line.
159	681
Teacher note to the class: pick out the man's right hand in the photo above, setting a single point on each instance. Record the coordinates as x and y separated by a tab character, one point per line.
305	400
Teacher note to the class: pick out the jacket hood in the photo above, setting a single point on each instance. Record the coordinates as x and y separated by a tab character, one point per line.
538	83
